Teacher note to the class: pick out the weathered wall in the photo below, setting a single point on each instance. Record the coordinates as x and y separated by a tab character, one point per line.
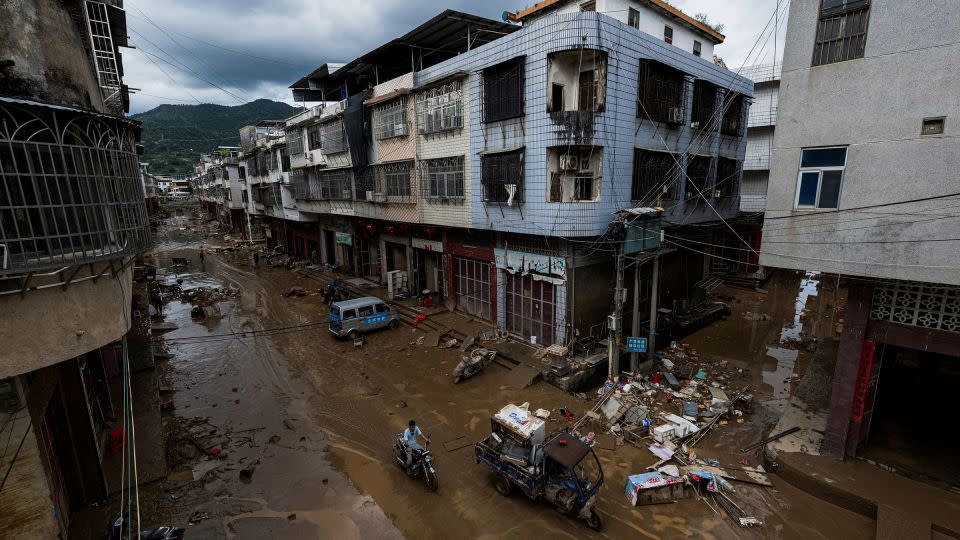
44	41
875	105
26	510
51	325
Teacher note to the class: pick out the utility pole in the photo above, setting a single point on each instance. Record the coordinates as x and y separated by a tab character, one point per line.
635	329
654	289
615	320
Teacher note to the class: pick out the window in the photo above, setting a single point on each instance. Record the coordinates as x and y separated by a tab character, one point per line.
728	178
392	119
294	140
698	176
502	177
654	176
350	314
661	93
503	91
668	35
633	18
242	173
444	178
272	162
574	173
313	137
334	137
382	308
932	126
733	114
704	103
821	173
583	187
697	48
556	97
440	109
841	31
588	6
397	180
366	311
284	159
576	81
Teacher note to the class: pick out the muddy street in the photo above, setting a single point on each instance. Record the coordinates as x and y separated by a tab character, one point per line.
304	423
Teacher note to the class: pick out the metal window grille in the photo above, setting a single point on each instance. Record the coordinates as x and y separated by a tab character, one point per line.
392	119
583	189
294	140
276	196
841	31
314	137
70	189
662	93
704	104
440	109
298	184
735	107
530	308
728	177
335	185
654	176
917	304
503	90
474	287
334	137
698	176
499	171
386	183
443	178
104	57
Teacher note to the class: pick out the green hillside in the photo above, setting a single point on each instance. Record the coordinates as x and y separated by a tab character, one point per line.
174	136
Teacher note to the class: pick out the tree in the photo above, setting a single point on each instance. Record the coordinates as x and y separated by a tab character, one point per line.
719	61
704	19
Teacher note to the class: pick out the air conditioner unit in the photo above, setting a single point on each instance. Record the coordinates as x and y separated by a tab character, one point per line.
379	198
369	196
346	193
308	156
675	115
569	163
342	105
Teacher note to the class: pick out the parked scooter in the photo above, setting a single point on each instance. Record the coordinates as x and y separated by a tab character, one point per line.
117	531
334	291
471	365
421	463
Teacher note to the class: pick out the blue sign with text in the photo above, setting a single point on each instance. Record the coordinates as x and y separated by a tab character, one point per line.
636	344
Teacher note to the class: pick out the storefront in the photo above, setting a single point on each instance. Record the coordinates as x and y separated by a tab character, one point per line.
534	295
429	267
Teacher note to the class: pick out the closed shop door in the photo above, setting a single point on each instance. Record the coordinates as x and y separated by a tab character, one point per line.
530	306
473	287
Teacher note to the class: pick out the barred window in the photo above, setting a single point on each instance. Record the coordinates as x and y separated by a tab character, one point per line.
502	177
335	185
397	180
841	31
313	137
272	162
733	115
334	137
704	105
440	109
698	176
503	90
728	177
295	141
444	178
261	163
654	176
392	119
662	93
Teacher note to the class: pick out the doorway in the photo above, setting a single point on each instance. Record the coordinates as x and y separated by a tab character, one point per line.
474	289
330	247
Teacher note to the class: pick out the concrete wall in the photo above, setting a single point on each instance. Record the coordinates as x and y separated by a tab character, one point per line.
875	105
48	48
25	505
47	326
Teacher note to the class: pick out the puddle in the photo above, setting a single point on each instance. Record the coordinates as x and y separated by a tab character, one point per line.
786	353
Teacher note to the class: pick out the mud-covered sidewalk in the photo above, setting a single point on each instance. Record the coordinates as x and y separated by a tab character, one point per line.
303	423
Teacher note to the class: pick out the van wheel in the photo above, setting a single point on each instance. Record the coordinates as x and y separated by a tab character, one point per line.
394	324
353	334
502	485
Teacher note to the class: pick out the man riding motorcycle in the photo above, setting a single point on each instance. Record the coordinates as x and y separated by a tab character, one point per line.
410	436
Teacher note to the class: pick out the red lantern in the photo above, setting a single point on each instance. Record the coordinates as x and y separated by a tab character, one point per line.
390	229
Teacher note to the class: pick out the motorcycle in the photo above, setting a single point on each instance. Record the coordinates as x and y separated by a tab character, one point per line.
421	462
471	365
334	291
117	531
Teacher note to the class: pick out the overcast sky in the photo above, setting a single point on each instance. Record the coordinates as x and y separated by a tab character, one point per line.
186	49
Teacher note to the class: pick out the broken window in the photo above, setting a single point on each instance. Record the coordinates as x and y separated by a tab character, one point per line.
502	177
698	177
443	178
294	140
313	137
577	80
575	173
654	176
334	137
661	93
734	107
392	119
440	109
841	31
821	173
704	105
728	178
503	90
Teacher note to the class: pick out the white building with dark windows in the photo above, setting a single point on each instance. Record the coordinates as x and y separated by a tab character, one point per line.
863	190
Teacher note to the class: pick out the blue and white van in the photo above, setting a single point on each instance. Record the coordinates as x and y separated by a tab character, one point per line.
350	318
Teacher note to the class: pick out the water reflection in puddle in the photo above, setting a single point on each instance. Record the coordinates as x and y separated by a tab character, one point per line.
786	352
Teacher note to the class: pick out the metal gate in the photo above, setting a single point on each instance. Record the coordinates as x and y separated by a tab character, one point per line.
530	306
473	287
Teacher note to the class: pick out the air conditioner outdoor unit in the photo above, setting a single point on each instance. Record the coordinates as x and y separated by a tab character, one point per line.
346	194
379	198
569	163
675	115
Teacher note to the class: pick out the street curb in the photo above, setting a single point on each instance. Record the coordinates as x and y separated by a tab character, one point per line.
817	487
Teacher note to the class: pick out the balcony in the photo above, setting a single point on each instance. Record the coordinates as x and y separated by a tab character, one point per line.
73	193
762	117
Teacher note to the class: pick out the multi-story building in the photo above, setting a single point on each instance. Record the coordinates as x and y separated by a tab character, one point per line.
72	220
219	185
150	194
862	189
491	169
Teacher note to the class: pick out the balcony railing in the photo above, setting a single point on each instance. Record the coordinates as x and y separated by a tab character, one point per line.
70	188
762	117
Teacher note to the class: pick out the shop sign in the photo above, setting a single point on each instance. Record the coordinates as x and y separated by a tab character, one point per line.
525	263
428	245
344	238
